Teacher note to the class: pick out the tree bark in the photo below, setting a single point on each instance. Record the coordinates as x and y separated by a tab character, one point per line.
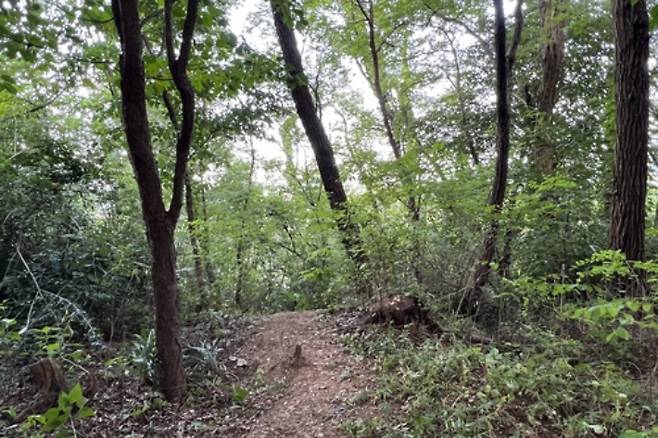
552	60
369	16
627	217
189	208
317	136
504	62
160	222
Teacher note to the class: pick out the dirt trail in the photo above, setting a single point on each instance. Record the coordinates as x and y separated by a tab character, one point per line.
321	388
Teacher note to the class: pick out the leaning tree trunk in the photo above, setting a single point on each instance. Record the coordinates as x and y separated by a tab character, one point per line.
317	136
504	63
632	99
367	9
368	12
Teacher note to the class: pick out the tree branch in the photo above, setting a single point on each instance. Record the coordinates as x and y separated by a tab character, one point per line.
178	71
116	15
171	111
516	37
168	36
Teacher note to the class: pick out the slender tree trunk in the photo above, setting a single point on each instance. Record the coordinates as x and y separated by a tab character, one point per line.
409	123
208	267
189	209
470	145
317	136
632	98
368	12
242	243
504	62
194	242
552	60
369	16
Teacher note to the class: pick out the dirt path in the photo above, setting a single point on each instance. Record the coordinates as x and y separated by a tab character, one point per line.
294	377
321	384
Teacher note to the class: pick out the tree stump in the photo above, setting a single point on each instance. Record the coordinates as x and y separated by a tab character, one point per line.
398	310
48	380
47	377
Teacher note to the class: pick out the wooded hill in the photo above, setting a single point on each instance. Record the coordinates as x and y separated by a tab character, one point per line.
174	171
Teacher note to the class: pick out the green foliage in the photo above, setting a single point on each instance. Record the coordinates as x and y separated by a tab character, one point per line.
71	408
653	18
142	357
9	335
545	386
239	395
74	258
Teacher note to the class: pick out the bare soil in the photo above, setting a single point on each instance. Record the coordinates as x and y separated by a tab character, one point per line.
322	384
285	375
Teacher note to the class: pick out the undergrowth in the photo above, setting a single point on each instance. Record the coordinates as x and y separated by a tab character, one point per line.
549	387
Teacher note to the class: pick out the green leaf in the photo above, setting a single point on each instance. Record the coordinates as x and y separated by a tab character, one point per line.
653	18
53	348
633	305
239	395
11	411
75	394
619	333
85	412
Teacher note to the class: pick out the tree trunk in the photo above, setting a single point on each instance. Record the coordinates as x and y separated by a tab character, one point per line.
209	268
632	99
381	95
170	357
412	203
242	243
552	59
470	145
160	222
324	155
504	63
194	242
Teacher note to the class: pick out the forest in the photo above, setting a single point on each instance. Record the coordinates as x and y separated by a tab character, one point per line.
313	218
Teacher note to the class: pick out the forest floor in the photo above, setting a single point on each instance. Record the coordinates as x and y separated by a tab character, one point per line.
322	384
283	375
